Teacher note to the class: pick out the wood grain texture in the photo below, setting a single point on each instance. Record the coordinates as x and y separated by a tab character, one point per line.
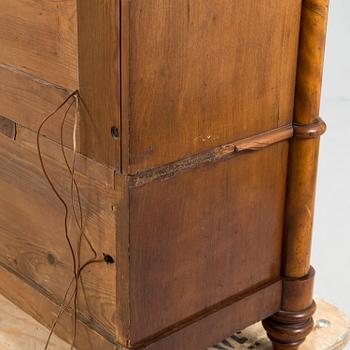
32	231
220	153
7	127
290	326
199	76
189	195
310	61
99	79
123	263
304	152
44	309
27	101
19	331
40	38
221	223
234	317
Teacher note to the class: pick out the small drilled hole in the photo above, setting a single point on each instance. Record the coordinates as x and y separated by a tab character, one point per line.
108	259
115	132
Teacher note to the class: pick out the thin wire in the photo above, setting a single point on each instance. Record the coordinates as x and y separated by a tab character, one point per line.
78	216
60	198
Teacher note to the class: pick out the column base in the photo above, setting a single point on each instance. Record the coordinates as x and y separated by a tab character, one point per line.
288	330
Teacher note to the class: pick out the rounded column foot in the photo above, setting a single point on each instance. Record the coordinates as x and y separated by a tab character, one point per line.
288	330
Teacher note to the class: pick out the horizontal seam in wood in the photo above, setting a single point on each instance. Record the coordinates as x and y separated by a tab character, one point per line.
203	314
223	152
92	325
79	155
34	78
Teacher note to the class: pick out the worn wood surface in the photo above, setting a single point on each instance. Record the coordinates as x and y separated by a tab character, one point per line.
19	331
32	231
44	309
179	240
99	79
220	153
27	100
201	76
39	37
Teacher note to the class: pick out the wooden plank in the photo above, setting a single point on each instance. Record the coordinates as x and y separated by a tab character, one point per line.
40	38
44	310
27	101
222	223
32	227
99	79
196	64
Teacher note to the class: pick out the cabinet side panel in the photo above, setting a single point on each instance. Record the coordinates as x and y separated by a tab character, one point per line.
205	235
32	232
206	73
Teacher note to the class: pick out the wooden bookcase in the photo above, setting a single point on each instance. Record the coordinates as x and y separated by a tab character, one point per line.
198	143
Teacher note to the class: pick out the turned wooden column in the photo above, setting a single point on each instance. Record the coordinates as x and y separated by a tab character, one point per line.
290	326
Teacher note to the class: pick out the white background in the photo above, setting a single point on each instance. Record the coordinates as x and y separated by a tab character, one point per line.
331	244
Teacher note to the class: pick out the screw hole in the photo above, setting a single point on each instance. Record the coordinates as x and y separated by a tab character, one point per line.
115	132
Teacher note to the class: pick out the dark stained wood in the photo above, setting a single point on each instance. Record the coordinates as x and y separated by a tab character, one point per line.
203	236
32	234
99	79
199	77
40	38
27	101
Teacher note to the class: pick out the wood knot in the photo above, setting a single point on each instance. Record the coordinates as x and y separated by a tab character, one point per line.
51	259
